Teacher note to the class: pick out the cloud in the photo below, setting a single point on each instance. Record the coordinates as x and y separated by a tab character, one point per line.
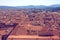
28	2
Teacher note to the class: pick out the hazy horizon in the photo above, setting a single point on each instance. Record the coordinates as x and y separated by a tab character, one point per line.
28	2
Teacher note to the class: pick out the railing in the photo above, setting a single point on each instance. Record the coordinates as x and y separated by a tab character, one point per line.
32	37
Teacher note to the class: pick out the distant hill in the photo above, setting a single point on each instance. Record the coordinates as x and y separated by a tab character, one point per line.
41	6
56	5
6	7
30	6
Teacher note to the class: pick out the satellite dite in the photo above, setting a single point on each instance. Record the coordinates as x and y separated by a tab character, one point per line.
6	27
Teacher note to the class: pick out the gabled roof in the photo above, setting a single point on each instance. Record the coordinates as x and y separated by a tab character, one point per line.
3	25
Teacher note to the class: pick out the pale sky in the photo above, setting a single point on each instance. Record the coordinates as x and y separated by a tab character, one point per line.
28	2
